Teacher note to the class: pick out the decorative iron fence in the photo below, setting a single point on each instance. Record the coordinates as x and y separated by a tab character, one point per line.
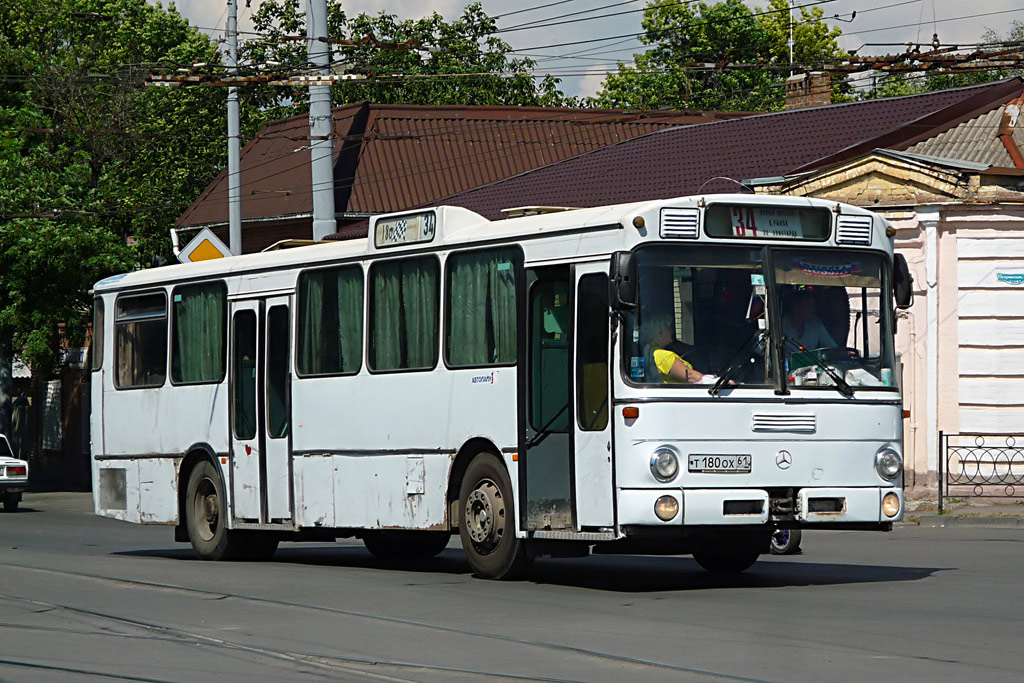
981	466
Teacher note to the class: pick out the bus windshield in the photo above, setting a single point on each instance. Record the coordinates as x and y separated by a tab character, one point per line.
702	313
834	322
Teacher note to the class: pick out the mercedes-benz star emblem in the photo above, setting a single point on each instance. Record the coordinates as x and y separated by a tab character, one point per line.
783	460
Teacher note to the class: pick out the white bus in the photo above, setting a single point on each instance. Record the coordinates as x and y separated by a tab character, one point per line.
673	376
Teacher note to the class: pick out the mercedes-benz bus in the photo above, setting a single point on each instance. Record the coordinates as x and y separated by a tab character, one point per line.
680	376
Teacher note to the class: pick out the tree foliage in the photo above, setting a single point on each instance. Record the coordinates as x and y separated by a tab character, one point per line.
681	36
95	166
406	61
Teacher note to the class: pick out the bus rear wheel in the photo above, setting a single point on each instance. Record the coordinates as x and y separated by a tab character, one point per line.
397	546
487	520
206	516
11	501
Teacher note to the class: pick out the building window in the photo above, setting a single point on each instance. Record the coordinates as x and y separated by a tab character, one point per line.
480	316
140	333
198	315
330	321
404	298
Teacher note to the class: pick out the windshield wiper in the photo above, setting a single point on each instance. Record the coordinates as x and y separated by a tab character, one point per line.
841	384
735	363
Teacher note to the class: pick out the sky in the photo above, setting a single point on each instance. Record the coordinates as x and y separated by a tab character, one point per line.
582	67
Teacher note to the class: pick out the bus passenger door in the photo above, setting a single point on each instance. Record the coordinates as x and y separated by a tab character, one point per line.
277	409
592	438
548	500
244	415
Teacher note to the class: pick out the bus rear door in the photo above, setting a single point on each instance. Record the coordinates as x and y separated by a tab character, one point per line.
261	410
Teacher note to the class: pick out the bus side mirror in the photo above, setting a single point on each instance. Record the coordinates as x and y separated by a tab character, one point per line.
623	280
903	282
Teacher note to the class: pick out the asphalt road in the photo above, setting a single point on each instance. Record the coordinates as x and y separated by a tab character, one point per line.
86	598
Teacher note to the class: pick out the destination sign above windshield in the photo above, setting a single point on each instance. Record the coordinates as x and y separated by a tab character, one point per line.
767	222
410	228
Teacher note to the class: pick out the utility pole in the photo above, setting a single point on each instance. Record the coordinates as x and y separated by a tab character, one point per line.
234	137
321	147
790	42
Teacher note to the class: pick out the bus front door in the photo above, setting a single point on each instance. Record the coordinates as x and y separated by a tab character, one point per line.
547	503
260	410
592	438
568	439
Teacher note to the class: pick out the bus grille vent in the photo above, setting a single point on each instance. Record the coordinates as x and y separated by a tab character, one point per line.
680	224
853	230
784	423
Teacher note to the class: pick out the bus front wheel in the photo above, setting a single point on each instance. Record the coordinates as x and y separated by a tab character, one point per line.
398	546
730	551
487	520
206	516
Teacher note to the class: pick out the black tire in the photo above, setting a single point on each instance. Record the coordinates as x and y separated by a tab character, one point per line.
487	521
786	542
730	551
206	516
258	546
405	546
11	501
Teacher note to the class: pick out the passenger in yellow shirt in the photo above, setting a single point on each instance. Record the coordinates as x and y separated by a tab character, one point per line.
670	367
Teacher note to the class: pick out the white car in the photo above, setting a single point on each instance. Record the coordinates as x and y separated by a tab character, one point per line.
13	476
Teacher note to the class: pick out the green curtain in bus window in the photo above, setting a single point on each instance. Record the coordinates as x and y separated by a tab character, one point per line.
482	308
405	303
350	318
198	351
331	321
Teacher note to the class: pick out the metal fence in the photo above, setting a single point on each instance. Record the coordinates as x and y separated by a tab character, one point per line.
981	466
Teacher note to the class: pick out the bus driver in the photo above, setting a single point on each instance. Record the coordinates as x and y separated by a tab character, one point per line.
663	364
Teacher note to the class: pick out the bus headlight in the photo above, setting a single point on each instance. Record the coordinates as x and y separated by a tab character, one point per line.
664	464
888	463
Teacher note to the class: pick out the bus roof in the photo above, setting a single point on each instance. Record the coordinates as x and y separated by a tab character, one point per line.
456	226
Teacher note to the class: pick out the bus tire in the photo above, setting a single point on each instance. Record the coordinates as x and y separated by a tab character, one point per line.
487	520
11	501
725	562
730	551
786	542
206	516
258	546
399	546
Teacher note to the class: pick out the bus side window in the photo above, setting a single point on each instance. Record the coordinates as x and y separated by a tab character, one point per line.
330	334
404	298
140	336
198	333
96	347
480	321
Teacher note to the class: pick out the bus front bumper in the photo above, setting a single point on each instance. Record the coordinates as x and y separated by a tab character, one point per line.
812	507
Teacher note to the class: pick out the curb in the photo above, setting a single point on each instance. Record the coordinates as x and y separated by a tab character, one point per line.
961	520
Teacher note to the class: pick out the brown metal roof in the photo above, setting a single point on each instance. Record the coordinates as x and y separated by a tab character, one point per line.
394	157
688	160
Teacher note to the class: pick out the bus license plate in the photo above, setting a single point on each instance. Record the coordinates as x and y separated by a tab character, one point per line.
720	464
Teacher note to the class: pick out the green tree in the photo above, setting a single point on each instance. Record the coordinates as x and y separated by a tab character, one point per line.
407	61
684	38
95	165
